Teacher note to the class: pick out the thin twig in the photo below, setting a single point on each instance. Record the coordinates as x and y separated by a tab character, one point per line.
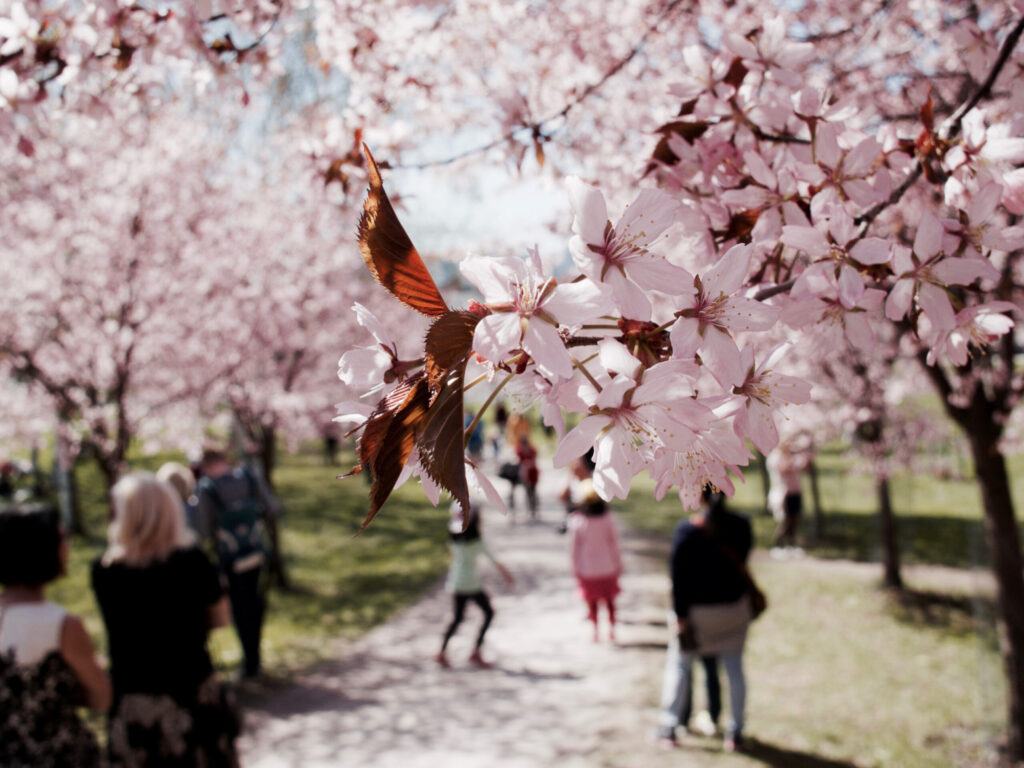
950	128
487	402
536	128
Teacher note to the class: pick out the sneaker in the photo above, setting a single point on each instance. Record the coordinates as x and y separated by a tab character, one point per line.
704	725
478	661
734	744
442	660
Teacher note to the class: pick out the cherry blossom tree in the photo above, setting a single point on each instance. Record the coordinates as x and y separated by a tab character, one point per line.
814	171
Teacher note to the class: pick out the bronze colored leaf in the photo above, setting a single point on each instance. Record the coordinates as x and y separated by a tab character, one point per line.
376	427
737	71
389	253
449	342
688	130
741	224
441	446
393	451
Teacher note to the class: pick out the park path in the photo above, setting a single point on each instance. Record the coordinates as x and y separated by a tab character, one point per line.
553	697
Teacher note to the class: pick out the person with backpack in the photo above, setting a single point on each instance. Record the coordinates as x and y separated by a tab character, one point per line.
233	509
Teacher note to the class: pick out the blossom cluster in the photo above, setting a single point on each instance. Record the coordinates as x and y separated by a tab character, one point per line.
770	224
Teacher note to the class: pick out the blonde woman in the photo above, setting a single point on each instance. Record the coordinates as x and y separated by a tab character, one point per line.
160	596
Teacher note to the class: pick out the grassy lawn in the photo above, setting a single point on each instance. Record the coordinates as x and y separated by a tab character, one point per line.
344	584
939	520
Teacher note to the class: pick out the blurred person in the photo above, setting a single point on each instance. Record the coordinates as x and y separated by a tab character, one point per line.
7	471
160	596
181	478
786	466
580	470
712	610
48	666
529	473
594	555
500	422
234	506
706	721
475	444
466	546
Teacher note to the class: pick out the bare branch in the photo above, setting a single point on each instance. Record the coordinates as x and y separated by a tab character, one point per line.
537	128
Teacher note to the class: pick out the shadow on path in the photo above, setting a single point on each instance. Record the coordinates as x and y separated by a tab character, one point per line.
770	754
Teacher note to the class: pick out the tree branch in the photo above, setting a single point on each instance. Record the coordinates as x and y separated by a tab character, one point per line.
537	128
950	128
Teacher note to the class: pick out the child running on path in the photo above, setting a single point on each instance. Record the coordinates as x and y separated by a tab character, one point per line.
464	580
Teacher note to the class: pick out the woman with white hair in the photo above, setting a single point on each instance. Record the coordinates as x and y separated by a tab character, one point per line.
160	596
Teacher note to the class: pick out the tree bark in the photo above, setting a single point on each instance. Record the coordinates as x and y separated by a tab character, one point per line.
890	537
1004	546
268	452
68	501
819	515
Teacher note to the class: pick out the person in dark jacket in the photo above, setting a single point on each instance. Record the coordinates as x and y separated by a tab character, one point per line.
711	610
233	509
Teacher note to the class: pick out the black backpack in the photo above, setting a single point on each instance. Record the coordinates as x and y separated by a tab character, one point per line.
239	526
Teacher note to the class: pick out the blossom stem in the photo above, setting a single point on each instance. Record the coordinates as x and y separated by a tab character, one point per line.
476	381
583	369
487	402
659	329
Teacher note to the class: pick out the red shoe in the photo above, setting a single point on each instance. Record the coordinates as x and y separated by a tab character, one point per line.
478	661
442	660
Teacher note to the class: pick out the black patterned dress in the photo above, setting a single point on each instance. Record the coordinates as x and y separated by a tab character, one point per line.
169	709
38	724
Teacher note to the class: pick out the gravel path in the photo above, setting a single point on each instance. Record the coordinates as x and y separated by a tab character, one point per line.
553	697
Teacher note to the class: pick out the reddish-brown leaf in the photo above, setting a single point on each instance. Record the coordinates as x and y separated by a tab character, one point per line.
928	113
389	253
449	342
741	224
391	454
376	427
688	130
441	446
737	71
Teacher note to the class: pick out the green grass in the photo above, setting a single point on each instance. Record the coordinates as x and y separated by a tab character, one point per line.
344	585
842	673
939	519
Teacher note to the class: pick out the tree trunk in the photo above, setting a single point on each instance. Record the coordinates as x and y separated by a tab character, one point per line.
819	515
267	444
268	452
68	501
765	481
890	536
1004	546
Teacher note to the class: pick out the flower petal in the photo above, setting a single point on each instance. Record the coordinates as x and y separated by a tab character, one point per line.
580	439
544	344
589	208
496	335
577	303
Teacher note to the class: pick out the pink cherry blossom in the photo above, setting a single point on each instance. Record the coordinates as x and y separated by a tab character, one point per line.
526	309
633	416
765	391
926	271
708	320
619	257
978	325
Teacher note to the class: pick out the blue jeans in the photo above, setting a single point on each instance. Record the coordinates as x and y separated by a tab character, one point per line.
675	687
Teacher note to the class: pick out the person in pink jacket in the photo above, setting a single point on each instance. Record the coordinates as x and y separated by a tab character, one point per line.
594	554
